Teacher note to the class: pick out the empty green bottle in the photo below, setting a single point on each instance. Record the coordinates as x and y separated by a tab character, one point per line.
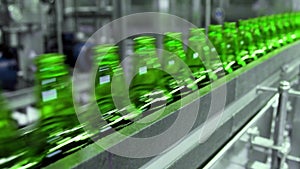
54	93
206	53
174	62
16	150
109	69
148	89
292	20
288	27
275	43
296	20
198	57
10	143
216	37
245	43
261	48
280	29
59	130
231	46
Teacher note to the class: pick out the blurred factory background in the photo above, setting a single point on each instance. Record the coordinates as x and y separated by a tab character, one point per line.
32	27
29	28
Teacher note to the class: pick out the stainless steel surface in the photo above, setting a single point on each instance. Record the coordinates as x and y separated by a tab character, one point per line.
86	16
277	161
265	88
293	158
240	133
163	5
23	19
59	20
70	11
1	36
294	93
207	14
266	142
20	98
192	141
23	12
121	9
244	153
236	9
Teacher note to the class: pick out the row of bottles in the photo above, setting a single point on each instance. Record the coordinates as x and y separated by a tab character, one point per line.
159	79
247	40
57	133
58	127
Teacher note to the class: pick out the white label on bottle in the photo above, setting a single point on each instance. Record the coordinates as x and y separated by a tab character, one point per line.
47	81
104	79
49	95
171	62
143	70
195	55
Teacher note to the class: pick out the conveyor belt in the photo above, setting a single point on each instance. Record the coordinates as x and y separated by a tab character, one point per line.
242	102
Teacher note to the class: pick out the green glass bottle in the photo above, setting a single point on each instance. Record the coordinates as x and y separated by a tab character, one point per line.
245	43
232	51
296	20
15	145
265	33
54	92
174	62
10	143
58	130
197	52
280	29
273	32
259	42
148	89
108	64
216	37
292	20
288	27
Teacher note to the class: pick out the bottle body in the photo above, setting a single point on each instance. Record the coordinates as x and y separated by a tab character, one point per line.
58	124
55	93
107	95
216	37
10	143
148	88
199	59
245	43
175	63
